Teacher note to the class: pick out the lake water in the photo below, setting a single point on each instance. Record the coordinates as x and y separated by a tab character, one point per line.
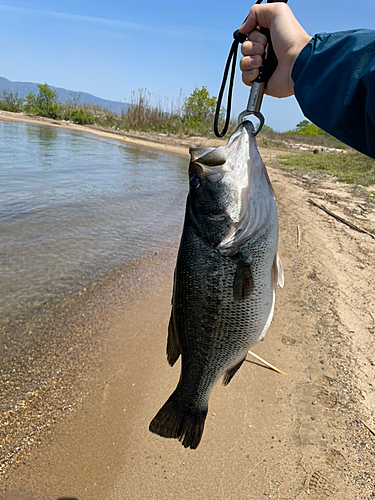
74	206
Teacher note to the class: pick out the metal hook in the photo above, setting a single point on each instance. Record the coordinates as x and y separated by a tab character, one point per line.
244	116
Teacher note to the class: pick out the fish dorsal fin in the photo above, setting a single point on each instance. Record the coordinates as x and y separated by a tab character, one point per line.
208	156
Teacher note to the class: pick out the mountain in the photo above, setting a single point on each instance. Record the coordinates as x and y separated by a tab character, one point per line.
63	95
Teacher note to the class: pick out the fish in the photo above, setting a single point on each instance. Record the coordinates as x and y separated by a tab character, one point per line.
225	278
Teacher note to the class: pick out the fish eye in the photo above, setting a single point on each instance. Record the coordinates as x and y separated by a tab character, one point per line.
194	182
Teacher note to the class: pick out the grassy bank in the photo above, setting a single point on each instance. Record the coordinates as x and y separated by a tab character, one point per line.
353	168
192	115
320	155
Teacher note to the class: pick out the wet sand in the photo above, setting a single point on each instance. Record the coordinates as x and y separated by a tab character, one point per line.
301	436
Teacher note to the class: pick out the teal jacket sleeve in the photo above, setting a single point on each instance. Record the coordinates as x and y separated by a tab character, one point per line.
334	84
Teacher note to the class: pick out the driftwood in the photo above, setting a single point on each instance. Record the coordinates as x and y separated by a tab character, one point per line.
266	363
337	217
298	236
367	426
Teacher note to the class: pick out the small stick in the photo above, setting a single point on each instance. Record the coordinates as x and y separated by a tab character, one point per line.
367	427
266	363
298	236
337	217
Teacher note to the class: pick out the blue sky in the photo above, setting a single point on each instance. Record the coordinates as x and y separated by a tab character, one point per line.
111	48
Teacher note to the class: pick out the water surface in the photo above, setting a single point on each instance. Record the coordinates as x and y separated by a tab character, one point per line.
74	206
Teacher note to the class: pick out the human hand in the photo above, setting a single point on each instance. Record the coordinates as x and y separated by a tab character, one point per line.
288	39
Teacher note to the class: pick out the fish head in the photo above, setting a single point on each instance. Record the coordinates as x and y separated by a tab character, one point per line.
208	192
222	182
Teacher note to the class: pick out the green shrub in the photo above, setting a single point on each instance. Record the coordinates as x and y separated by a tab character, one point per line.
10	102
81	116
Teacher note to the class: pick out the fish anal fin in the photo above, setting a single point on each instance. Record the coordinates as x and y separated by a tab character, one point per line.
229	374
173	343
243	280
178	421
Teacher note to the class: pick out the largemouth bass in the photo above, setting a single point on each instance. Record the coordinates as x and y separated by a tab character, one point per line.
225	278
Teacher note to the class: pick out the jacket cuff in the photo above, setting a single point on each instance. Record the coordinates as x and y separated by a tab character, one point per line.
302	59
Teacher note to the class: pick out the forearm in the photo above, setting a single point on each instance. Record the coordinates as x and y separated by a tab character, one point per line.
334	83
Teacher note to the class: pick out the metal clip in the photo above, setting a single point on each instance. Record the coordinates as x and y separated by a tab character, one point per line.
253	106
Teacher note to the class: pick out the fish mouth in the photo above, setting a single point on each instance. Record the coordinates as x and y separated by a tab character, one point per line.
245	127
207	162
210	161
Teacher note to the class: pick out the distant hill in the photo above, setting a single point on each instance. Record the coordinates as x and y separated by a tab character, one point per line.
23	88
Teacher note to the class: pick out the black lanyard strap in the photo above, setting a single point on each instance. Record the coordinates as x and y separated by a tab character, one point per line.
232	59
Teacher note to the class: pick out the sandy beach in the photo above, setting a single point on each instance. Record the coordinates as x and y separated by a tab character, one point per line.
307	435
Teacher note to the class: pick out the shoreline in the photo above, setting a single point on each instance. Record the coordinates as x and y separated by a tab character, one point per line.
161	142
60	330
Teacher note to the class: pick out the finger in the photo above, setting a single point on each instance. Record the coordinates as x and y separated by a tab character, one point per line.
251	22
249	76
252	48
248	63
258	37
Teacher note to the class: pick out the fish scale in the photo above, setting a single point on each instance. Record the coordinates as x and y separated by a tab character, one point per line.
225	278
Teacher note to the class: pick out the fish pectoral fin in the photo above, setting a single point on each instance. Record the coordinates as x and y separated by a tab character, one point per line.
173	343
229	374
243	280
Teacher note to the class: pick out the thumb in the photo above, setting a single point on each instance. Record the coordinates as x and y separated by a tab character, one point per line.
259	15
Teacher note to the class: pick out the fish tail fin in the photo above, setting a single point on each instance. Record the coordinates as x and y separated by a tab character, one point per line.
178	421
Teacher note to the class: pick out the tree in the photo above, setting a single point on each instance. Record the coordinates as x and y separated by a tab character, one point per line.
10	102
302	124
198	109
75	99
305	127
44	103
267	128
30	105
